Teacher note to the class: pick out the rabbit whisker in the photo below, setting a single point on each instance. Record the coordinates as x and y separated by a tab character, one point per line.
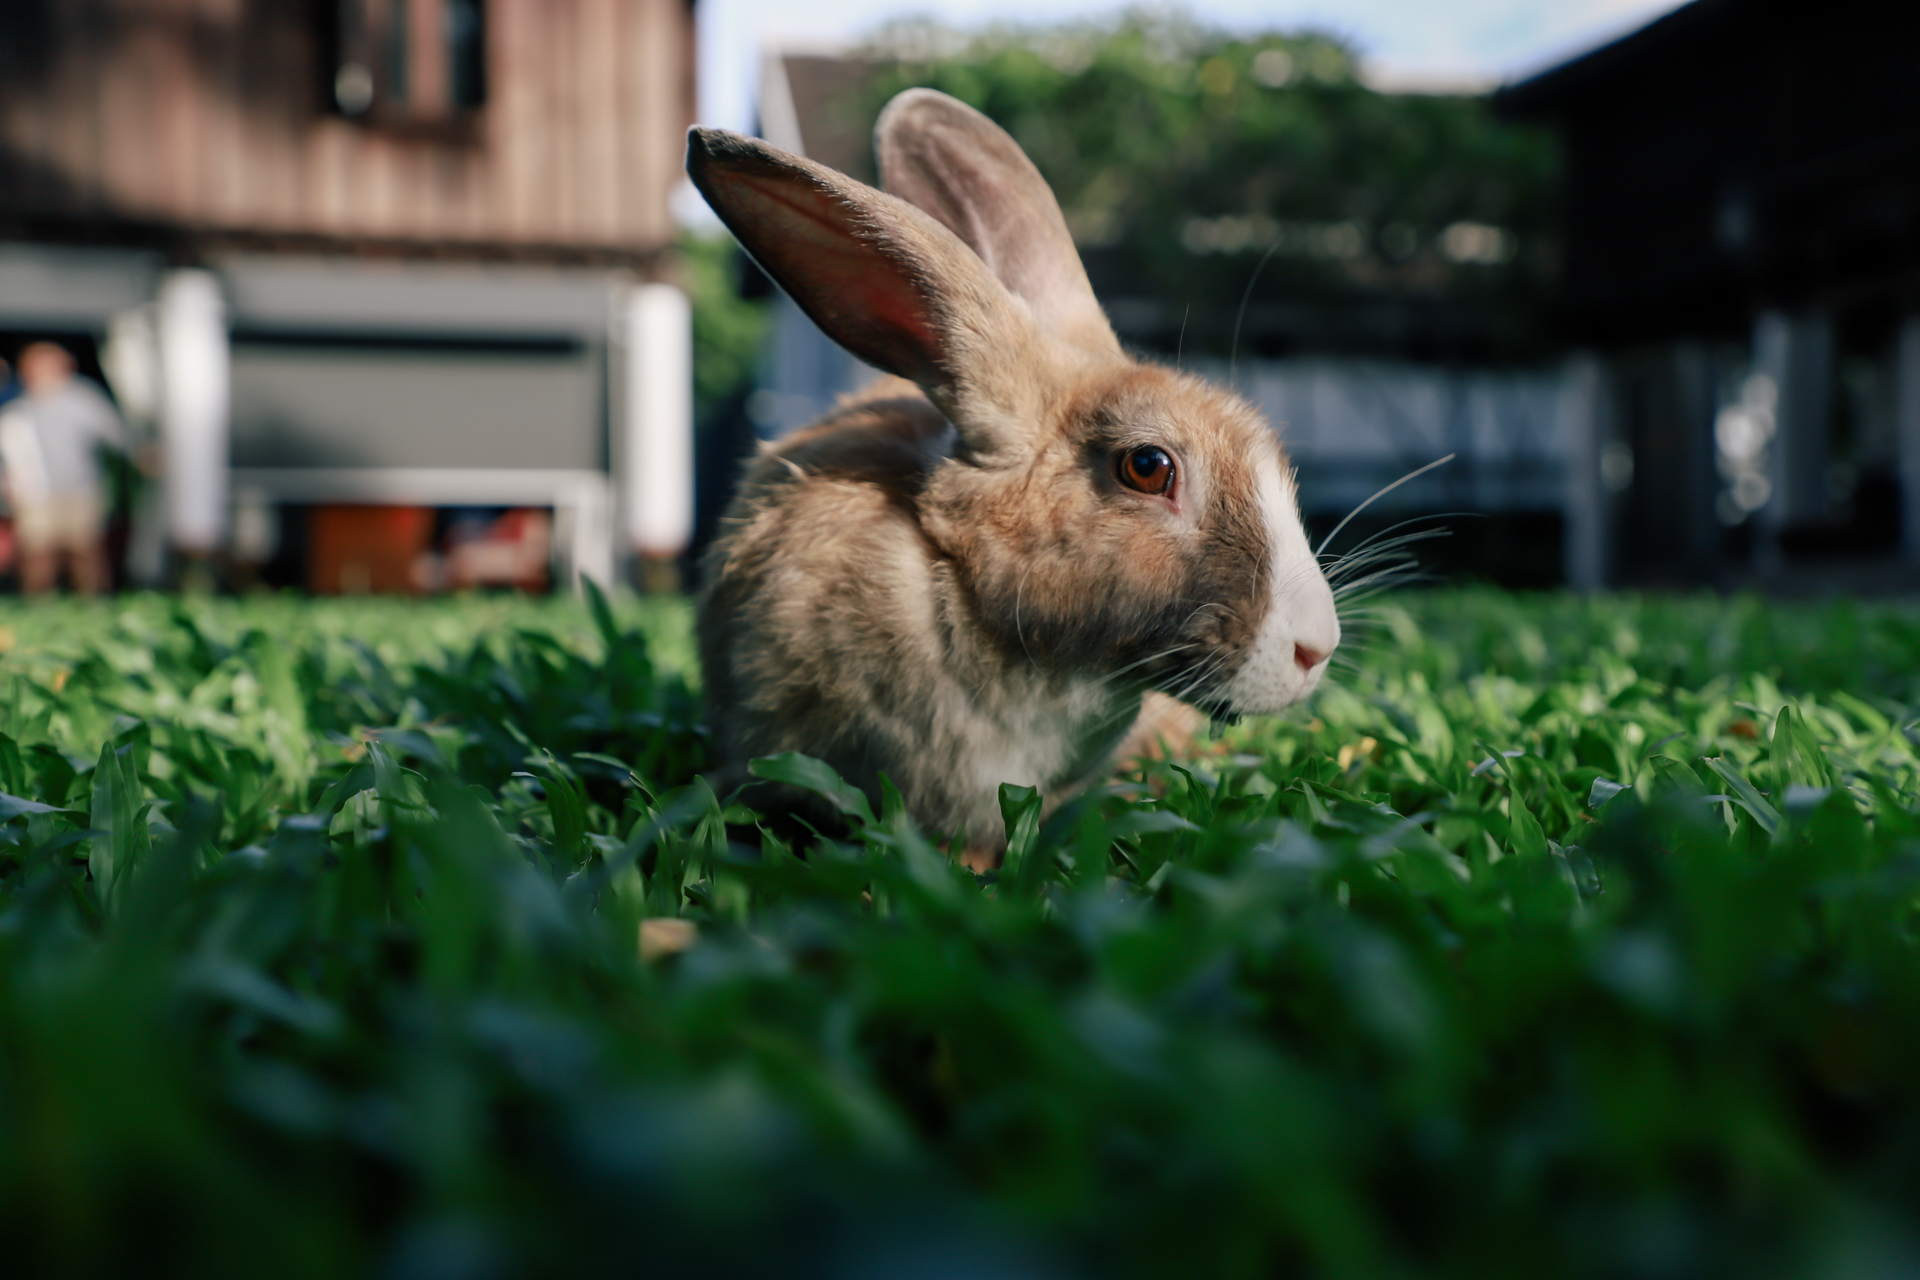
1394	549
1374	583
1380	573
1371	559
1019	591
1201	675
1385	587
1378	494
1113	678
1373	538
1233	347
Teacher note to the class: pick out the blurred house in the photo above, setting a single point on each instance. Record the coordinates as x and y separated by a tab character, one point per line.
1743	263
352	254
1367	379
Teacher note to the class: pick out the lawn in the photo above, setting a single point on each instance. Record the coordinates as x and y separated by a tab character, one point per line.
1559	937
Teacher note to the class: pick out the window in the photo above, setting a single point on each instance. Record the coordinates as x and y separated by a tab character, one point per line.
401	61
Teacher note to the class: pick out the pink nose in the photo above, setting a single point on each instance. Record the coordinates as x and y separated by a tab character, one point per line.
1307	658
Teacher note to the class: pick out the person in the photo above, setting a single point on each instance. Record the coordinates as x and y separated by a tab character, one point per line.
50	442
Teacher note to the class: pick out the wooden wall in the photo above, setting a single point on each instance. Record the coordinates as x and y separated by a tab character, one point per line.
217	116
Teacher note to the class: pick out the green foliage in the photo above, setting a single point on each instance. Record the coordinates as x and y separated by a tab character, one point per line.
1560	937
727	329
1189	154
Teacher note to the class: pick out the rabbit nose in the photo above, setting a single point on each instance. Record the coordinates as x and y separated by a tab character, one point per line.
1306	658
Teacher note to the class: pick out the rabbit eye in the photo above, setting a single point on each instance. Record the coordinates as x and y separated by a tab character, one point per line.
1148	469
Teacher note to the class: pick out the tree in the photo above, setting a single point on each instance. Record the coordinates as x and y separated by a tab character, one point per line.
1183	157
727	328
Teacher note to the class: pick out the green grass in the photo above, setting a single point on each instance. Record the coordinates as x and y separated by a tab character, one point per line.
1563	937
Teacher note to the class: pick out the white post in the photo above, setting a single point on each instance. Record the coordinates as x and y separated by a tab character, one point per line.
585	528
194	392
130	358
1906	391
656	457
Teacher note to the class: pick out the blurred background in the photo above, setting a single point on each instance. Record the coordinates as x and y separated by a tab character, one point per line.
410	295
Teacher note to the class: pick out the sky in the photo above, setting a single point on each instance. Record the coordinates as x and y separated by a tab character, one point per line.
1404	42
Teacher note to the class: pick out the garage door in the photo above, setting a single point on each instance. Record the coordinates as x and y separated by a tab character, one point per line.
387	405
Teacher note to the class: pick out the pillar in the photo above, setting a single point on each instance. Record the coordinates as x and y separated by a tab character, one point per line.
1585	431
655	457
195	383
1906	411
1796	353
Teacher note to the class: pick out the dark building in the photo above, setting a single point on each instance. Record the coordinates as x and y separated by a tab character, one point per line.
1742	246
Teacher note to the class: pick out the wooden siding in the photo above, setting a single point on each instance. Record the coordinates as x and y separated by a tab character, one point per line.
210	116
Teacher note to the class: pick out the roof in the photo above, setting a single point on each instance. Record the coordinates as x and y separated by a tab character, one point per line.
1597	70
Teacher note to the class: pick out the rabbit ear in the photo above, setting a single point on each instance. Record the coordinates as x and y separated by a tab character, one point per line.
942	155
881	278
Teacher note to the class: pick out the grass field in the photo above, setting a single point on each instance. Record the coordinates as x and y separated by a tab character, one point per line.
1561	937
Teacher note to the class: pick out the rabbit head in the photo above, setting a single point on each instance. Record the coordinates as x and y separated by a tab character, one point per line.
1101	517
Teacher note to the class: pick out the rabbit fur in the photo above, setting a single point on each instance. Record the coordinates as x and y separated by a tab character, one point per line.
957	578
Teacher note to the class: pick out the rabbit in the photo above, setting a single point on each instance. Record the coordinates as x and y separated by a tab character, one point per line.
1003	562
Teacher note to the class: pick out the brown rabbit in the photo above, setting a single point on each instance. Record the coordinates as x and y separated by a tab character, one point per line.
974	572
